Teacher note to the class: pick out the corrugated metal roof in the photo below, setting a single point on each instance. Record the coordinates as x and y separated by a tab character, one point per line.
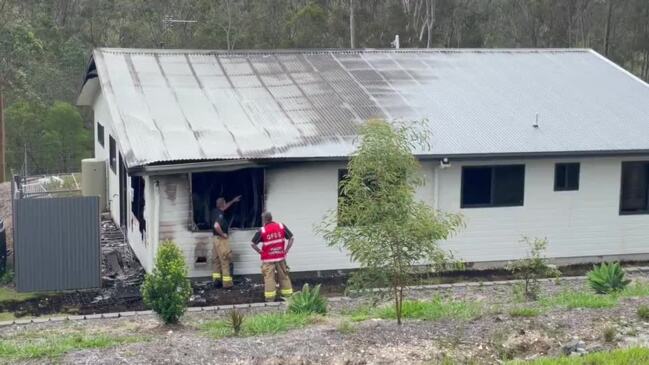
180	105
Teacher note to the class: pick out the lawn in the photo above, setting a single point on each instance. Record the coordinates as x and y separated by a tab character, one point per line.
35	345
632	356
260	324
11	295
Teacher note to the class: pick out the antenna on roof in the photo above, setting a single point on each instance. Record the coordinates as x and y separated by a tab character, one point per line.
395	42
536	121
168	22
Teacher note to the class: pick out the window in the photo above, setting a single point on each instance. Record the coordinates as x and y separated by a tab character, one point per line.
566	176
209	186
137	205
113	154
634	197
492	186
100	134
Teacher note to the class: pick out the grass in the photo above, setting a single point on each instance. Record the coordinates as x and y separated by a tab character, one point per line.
36	345
425	310
524	312
261	324
580	299
643	312
10	295
636	289
615	357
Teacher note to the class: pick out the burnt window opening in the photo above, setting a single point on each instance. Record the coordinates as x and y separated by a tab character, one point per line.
112	154
492	186
634	194
100	134
566	176
201	260
209	186
137	205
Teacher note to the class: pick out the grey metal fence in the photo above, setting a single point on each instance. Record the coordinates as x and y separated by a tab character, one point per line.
57	243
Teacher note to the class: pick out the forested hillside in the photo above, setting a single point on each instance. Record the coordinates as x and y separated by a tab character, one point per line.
45	44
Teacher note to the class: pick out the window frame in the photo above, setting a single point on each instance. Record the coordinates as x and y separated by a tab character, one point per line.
638	212
567	165
100	134
112	154
492	188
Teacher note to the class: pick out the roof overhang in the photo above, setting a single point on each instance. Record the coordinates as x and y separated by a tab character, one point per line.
232	165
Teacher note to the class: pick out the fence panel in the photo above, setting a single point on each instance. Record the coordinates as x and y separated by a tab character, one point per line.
57	244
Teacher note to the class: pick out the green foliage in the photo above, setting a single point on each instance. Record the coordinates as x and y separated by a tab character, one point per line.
430	310
235	321
524	312
533	267
607	278
386	230
7	277
580	299
53	139
260	324
614	357
636	289
167	290
308	301
643	312
25	347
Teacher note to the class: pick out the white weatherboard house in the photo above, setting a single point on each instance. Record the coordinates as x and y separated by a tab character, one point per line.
543	143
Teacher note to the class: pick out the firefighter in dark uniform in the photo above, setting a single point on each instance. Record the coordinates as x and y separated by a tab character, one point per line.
221	252
276	240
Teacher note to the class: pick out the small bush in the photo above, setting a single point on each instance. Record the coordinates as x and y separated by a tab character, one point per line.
308	301
7	277
167	290
524	312
235	321
607	278
533	267
643	312
609	334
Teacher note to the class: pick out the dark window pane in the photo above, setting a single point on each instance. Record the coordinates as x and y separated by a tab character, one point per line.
566	176
572	176
635	187
509	184
100	134
476	186
113	154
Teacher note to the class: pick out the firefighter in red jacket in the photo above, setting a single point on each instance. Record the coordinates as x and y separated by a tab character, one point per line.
276	240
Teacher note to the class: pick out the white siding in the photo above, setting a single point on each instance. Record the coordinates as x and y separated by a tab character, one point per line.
140	245
578	223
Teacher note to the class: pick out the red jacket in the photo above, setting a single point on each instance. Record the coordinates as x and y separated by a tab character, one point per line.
273	240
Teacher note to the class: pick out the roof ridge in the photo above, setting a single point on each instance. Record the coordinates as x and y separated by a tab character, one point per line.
341	50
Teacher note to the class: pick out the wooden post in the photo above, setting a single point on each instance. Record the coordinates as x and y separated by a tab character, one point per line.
3	140
352	34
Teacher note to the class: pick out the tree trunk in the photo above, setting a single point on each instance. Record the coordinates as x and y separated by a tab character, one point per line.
352	33
607	32
3	140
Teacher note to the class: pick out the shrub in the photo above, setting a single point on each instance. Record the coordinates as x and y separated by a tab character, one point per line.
167	290
533	267
643	312
308	301
7	277
609	334
235	321
607	278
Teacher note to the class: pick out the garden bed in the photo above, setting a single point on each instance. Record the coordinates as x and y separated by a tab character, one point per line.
483	323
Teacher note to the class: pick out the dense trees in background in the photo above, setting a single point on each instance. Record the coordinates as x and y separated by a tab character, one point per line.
45	44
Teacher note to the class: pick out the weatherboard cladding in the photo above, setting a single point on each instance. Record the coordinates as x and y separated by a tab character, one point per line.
185	105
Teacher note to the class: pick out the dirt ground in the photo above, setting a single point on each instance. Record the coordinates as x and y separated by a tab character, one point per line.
484	340
5	211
